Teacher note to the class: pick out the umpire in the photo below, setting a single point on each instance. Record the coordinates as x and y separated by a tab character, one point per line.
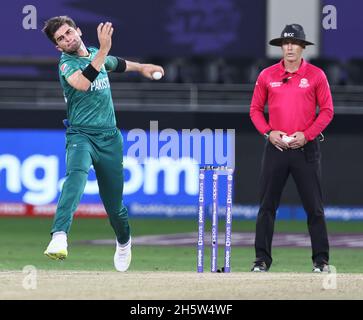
292	89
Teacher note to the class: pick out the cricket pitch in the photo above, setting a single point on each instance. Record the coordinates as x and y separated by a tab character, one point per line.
178	285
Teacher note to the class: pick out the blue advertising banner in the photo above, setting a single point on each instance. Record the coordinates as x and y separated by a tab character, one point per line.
32	166
160	181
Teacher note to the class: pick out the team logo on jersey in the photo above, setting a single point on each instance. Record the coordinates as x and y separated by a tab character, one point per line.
304	83
64	67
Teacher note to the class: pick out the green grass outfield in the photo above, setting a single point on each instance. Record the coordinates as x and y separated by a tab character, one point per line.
23	240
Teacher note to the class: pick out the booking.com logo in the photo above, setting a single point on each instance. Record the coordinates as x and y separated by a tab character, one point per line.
154	162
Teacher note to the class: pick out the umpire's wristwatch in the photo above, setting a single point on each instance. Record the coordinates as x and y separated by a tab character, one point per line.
267	134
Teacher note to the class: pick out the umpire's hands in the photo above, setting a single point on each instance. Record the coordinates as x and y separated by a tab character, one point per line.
275	138
298	141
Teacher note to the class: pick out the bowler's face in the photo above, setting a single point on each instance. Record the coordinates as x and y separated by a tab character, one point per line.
68	39
292	50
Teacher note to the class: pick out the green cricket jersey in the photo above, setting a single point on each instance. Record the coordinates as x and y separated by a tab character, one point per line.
92	108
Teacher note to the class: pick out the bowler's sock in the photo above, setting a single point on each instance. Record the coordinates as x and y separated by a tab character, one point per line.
59	235
124	245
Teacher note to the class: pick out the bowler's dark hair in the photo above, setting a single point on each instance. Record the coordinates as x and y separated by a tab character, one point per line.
53	24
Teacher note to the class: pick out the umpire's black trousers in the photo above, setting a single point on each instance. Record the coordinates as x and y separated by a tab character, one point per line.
305	168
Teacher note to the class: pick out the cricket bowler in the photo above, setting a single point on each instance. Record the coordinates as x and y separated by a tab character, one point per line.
92	137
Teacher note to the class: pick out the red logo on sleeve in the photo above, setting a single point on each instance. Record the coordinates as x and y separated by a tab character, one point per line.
64	67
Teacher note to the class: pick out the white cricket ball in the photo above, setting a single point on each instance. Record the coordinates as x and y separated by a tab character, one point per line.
157	75
287	139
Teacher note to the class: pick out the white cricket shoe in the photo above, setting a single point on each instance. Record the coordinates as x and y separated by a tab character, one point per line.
122	257
321	268
57	248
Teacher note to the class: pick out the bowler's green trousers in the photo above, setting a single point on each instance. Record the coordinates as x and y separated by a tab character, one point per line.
104	150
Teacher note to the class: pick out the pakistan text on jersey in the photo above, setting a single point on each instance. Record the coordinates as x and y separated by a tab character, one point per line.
100	84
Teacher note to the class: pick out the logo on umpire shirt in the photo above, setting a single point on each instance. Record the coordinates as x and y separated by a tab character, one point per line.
274	84
304	83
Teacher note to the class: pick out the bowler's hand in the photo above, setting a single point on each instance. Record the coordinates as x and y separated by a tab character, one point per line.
275	138
148	69
104	33
298	141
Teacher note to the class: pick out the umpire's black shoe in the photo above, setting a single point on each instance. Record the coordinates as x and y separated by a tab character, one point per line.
259	266
321	267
